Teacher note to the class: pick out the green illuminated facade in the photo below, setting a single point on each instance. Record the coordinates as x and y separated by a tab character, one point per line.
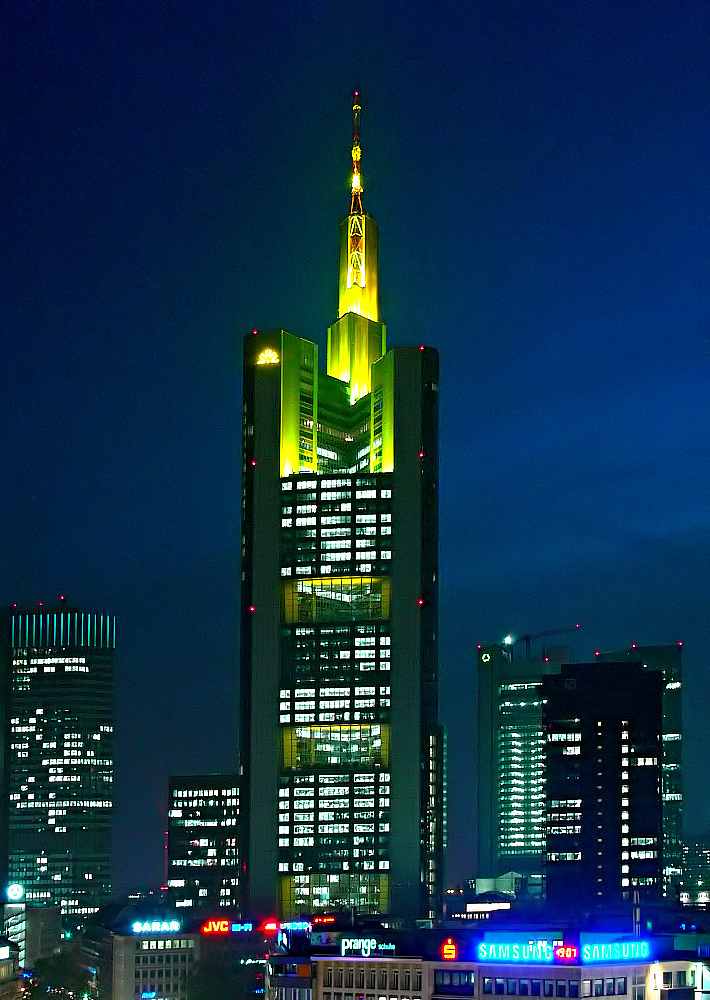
341	751
511	761
58	665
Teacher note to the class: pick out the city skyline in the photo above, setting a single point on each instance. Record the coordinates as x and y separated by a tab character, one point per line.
172	182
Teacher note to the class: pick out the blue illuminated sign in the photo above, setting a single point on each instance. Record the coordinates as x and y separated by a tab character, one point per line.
156	926
517	950
556	951
615	951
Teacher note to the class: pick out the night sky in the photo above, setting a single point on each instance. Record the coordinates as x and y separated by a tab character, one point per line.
173	174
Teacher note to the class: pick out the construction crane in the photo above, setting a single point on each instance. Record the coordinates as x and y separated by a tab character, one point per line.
528	639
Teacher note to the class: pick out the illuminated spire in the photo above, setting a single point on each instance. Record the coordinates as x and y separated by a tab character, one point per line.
356	202
357	339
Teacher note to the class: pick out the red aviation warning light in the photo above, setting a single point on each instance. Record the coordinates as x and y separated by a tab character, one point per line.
449	951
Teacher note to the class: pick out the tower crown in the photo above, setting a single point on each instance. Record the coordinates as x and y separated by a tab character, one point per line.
357	339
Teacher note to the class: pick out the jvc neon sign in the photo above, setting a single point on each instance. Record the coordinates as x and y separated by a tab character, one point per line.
225	927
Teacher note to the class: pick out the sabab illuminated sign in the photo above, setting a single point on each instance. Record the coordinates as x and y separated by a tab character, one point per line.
156	926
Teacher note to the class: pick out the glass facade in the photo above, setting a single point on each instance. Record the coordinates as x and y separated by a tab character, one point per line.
61	758
203	856
340	741
521	763
335	696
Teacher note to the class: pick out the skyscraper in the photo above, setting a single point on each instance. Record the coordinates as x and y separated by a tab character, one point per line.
603	783
341	750
203	820
58	664
668	661
511	759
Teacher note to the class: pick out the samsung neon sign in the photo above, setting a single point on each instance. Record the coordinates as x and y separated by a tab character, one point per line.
531	950
549	951
615	951
156	926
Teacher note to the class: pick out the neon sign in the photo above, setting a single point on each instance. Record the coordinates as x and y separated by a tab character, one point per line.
449	951
364	946
615	951
225	927
268	357
566	953
15	892
156	926
530	950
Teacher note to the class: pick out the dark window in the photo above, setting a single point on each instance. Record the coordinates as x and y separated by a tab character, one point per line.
349	978
573	988
561	989
487	985
598	987
667	979
512	987
548	988
609	990
621	985
500	987
535	987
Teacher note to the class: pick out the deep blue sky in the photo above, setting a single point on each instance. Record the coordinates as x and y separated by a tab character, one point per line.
173	174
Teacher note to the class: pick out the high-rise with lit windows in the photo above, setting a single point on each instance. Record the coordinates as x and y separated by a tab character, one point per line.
203	858
667	660
341	750
603	814
58	662
511	760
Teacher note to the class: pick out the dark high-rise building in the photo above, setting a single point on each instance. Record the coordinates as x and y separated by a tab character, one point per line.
59	665
668	661
603	812
341	750
203	859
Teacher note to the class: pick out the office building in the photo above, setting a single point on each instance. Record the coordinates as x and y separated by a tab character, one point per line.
203	858
668	661
603	807
341	750
59	664
36	930
511	760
